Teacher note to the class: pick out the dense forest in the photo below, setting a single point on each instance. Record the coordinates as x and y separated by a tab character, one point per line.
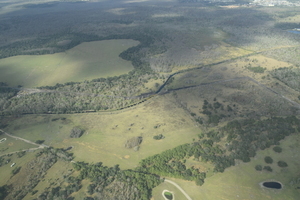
99	94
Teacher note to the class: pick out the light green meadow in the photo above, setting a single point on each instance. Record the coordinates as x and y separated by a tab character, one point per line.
86	61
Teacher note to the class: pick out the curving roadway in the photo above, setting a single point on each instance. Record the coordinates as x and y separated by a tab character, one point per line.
179	188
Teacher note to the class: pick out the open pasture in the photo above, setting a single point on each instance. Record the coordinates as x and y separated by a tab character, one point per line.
86	61
105	133
11	145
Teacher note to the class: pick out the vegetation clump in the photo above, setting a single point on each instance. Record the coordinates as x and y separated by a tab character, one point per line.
133	142
15	170
258	168
258	69
268	168
245	138
268	160
277	149
158	137
282	164
40	141
4	190
21	154
288	75
168	195
36	170
106	183
217	108
76	132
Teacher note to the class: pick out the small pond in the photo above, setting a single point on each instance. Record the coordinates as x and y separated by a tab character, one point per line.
272	185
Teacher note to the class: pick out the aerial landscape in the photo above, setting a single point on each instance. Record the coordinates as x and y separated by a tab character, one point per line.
149	99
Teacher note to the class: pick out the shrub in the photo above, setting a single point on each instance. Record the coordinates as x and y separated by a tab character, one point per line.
133	142
21	154
40	141
282	164
258	167
268	160
158	137
76	132
258	69
277	149
268	168
15	170
199	182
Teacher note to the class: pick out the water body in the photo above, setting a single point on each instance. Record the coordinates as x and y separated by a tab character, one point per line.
294	31
272	185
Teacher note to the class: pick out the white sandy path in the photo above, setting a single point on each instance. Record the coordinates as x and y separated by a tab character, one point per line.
179	188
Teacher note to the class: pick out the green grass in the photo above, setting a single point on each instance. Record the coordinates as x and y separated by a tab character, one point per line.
103	141
41	127
168	195
11	145
86	61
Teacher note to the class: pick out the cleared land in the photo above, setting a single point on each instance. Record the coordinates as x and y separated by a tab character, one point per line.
86	61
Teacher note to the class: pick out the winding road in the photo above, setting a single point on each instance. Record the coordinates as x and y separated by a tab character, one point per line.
179	188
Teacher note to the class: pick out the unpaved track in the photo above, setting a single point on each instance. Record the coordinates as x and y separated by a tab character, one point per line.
179	188
27	150
40	146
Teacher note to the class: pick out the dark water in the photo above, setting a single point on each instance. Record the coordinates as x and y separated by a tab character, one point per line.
273	185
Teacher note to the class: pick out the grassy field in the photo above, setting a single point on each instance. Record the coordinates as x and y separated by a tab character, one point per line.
107	133
86	61
11	145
